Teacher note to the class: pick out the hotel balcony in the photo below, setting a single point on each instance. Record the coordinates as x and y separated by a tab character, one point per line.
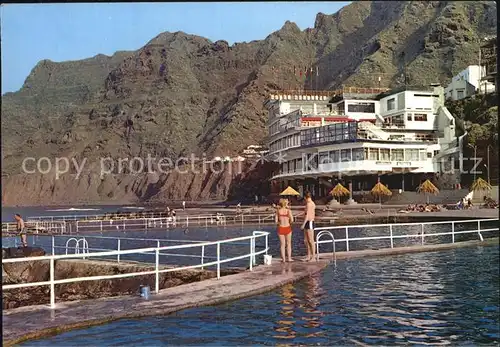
359	168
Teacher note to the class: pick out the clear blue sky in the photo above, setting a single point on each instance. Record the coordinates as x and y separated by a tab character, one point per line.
59	32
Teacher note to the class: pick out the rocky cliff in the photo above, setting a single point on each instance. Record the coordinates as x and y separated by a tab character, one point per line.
183	94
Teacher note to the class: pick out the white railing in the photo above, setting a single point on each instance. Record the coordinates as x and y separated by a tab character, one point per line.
59	227
389	228
51	258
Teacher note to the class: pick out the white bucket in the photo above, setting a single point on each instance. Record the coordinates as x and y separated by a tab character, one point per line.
268	259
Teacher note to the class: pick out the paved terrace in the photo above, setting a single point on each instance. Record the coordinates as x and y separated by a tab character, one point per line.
36	321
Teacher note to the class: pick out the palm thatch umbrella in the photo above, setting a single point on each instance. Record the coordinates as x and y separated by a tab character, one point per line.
289	191
339	190
380	190
427	188
481	186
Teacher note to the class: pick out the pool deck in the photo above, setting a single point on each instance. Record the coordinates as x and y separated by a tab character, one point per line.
30	322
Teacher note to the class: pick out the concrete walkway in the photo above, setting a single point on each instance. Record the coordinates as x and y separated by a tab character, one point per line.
35	321
30	322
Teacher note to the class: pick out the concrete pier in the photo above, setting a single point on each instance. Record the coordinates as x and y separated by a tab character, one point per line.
30	322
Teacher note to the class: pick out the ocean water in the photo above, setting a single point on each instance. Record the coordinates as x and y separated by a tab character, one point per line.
437	298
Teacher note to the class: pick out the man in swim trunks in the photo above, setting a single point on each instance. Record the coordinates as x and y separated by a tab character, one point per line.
308	226
21	229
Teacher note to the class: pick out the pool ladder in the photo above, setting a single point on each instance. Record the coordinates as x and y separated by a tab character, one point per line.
318	238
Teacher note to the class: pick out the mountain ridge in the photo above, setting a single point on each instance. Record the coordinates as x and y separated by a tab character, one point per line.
186	94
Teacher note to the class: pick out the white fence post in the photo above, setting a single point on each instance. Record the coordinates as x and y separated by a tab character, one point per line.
202	256
118	249
452	232
157	269
422	226
267	243
479	230
218	260
52	286
347	238
53	245
251	255
187	221
392	241
101	225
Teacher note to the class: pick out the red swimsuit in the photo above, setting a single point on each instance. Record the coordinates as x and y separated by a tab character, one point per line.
284	230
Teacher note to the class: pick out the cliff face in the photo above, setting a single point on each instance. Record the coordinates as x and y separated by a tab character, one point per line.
186	94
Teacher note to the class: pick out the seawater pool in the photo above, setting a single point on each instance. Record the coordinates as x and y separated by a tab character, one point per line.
447	297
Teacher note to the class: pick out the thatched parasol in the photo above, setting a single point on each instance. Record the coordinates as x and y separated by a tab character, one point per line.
380	190
289	191
339	190
427	188
481	186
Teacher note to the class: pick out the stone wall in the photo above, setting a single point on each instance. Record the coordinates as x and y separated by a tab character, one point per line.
36	271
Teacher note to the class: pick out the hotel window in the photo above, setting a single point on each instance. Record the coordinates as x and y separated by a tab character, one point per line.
324	158
409	117
385	154
391	104
345	155
298	165
335	156
373	154
365	153
429	154
411	155
420	117
361	107
423	154
397	154
357	154
460	94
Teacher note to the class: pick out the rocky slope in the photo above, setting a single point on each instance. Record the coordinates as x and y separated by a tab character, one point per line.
185	94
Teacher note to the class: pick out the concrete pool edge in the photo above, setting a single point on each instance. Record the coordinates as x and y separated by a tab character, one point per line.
410	249
46	325
13	319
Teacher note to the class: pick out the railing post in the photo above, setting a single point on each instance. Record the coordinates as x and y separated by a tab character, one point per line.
202	256
157	269
259	219
242	218
251	253
52	286
76	227
218	260
452	232
267	243
187	221
479	230
118	249
422	227
390	230
53	245
101	225
145	223
347	238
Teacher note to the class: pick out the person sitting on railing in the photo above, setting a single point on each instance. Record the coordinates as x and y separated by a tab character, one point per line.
284	219
21	229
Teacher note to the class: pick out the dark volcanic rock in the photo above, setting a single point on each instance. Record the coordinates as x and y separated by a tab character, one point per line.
187	94
19	252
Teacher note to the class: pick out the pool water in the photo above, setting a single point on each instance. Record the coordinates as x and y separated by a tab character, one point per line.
447	297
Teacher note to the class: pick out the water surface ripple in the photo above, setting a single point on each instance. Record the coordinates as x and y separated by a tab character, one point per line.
438	298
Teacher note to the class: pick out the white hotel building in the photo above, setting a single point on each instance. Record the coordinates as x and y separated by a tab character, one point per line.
358	135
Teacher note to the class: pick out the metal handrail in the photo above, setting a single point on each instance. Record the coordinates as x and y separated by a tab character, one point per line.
391	237
52	282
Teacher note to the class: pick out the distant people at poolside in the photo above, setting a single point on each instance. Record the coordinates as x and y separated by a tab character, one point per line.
284	219
21	229
308	226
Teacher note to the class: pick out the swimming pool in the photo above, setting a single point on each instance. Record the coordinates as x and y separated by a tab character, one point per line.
425	298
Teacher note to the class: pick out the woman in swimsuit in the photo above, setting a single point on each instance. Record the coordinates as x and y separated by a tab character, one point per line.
284	219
